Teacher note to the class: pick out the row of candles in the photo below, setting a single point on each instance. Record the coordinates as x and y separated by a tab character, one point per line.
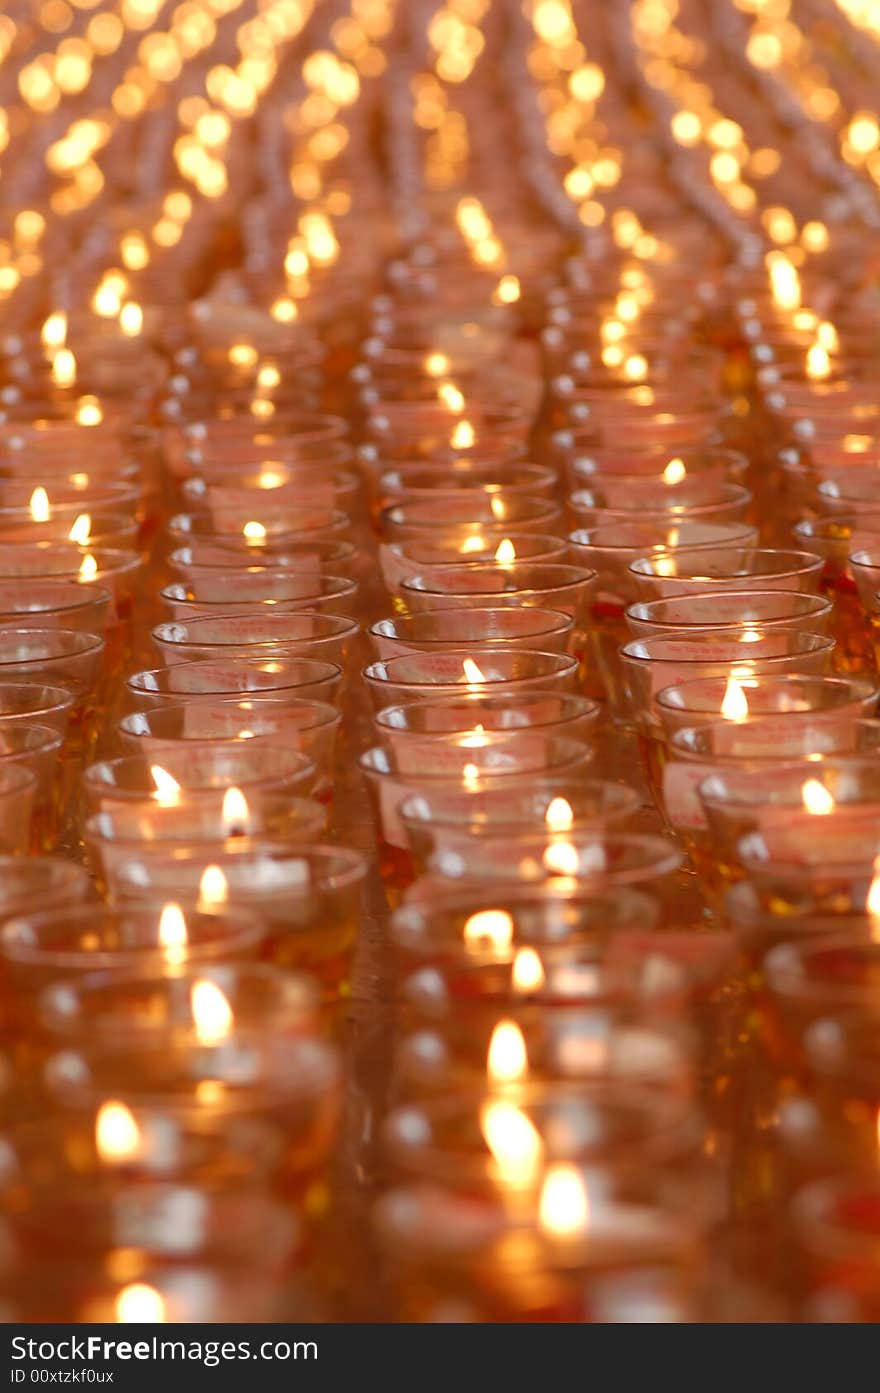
537	506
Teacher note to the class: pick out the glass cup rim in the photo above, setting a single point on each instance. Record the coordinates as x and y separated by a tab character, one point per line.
332	672
335	626
557	622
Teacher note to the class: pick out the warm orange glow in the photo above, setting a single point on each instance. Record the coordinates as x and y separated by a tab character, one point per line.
451	396
254	533
507	1059
88	568
513	1140
497	508
172	932
213	888
235	813
39	505
735	703
470	777
63	368
489	928
561	858
559	816
564	1205
463	436
817	799
475	739
436	364
167	793
674	472
80	529
472	671
117	1135
54	331
818	363
212	1014
505	552
527	974
140	1304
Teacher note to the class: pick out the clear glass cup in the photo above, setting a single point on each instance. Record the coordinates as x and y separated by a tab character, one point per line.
304	634
431	631
731	612
242	679
417	676
734	568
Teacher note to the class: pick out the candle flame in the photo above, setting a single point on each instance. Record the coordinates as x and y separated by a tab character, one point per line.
559	816
476	543
167	793
88	568
54	331
212	1014
498	508
243	355
88	411
816	798
80	529
507	1060
828	336
527	975
635	368
785	284
505	552
463	436
735	703
436	364
213	888
674	472
471	777
818	362
253	533
507	291
564	1205
235	813
63	368
513	1140
561	858
172	932
131	319
139	1304
39	505
489	928
117	1135
475	739
451	397
270	479
472	671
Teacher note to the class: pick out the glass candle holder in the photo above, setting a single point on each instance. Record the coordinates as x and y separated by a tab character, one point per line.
450	1256
291	1082
479	671
784	806
693	502
267	525
622	462
237	592
54	604
424	482
275	679
196	773
304	729
547	586
837	1236
230	823
449	1055
547	630
490	515
440	821
205	557
564	861
610	550
18	796
651	665
730	612
327	637
38	749
556	713
733	568
788	695
808	978
308	897
113	1006
38	949
455	763
59	658
51	881
459	546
